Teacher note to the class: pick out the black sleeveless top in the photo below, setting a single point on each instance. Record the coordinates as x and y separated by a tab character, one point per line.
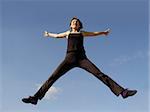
75	43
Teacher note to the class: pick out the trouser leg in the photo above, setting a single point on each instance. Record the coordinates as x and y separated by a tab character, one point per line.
90	67
62	69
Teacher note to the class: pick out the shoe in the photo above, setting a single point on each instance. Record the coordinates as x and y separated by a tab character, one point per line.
30	99
126	93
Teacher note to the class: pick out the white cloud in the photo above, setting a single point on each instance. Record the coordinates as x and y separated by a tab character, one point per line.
126	58
51	93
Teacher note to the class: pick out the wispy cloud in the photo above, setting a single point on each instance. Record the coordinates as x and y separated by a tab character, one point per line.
51	93
126	58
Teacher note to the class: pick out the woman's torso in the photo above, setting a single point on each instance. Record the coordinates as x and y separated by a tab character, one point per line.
75	42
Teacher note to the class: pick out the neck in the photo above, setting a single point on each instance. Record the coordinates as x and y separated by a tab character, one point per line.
74	30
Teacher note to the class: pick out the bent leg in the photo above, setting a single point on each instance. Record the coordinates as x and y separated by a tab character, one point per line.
62	69
90	67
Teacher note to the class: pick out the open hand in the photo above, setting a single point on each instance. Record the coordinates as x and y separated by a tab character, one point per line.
45	34
106	32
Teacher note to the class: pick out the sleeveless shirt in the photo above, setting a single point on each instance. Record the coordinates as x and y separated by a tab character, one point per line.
75	43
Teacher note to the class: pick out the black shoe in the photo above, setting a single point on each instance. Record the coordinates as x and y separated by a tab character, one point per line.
30	99
126	93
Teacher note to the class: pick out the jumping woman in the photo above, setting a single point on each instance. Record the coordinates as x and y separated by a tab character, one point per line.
76	57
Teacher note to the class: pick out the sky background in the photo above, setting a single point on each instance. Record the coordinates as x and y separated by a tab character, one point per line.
28	58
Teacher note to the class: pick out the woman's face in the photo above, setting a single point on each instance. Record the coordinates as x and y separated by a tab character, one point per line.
75	24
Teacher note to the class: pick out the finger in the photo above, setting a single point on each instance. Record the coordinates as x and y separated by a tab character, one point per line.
45	33
109	30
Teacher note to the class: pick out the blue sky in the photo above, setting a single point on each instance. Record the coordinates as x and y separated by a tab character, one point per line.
28	58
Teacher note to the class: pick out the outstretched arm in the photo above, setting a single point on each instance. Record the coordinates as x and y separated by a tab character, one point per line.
60	35
87	34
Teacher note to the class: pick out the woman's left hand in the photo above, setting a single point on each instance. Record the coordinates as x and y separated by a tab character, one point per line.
106	32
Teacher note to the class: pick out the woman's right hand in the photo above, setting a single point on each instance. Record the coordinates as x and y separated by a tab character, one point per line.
45	34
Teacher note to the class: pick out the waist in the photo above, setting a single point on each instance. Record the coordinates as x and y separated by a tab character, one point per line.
76	54
81	51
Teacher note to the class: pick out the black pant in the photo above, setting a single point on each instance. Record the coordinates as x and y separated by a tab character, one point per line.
75	59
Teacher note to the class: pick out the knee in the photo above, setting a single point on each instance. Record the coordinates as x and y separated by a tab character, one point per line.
53	77
99	73
102	75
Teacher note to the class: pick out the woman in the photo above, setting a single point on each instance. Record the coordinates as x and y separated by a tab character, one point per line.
76	57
